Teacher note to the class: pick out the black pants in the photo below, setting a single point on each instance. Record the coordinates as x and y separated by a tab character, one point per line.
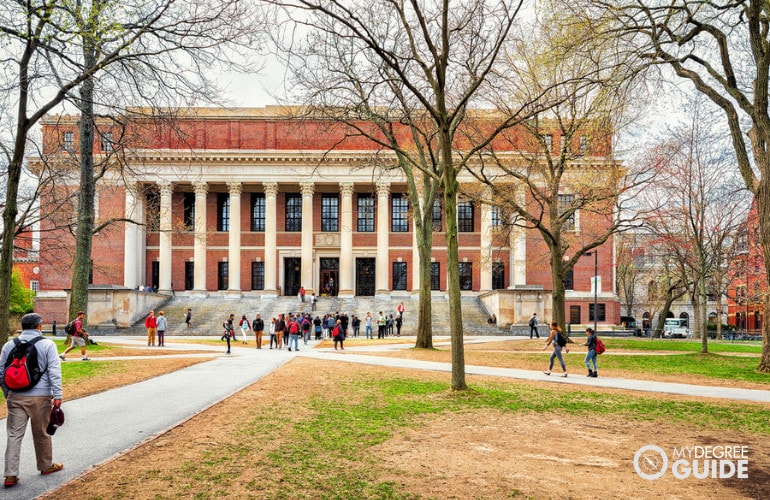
533	329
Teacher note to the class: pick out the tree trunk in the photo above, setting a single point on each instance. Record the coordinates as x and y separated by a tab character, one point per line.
763	215
451	189
81	267
557	285
425	319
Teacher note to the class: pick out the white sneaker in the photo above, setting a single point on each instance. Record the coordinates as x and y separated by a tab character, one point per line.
564	374
85	358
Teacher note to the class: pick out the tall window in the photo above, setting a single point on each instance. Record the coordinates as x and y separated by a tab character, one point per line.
188	207
574	315
34	285
223	279
585	144
258	212
257	275
566	202
294	212
466	276
498	276
602	312
106	142
438	214
435	276
548	138
399	213
569	280
399	276
465	216
330	213
365	213
223	211
497	217
68	141
152	215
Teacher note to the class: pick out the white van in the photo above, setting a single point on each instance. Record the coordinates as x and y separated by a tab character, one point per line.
675	328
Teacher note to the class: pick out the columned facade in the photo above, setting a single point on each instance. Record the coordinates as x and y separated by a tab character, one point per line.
199	243
164	259
383	231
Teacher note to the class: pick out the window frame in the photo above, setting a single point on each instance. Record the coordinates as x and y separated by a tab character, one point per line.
293	211
258	275
435	276
188	211
223	212
399	210
465	215
565	201
330	212
466	276
365	215
399	276
258	213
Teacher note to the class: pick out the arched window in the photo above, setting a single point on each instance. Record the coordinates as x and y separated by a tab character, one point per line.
685	317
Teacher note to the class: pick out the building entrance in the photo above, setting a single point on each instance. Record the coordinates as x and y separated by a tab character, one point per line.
365	277
292	276
330	270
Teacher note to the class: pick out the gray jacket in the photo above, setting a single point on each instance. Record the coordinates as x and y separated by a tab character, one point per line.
47	356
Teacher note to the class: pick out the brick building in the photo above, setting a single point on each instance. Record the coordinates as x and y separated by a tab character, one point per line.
252	202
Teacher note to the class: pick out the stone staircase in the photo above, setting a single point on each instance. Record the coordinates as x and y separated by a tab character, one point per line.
210	312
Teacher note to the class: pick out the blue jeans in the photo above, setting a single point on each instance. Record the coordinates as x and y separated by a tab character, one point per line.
591	355
557	354
294	339
369	334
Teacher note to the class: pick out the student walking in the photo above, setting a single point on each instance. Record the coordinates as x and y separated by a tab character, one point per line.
591	354
34	404
245	325
558	341
533	326
258	326
188	317
79	337
272	333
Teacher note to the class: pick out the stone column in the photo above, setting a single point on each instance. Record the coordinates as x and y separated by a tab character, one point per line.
271	275
199	244
132	263
486	245
308	188
234	239
346	240
164	260
383	233
518	244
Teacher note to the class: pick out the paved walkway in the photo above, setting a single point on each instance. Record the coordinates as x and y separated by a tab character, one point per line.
103	425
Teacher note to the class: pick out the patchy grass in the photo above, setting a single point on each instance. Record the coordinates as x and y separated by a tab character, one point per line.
714	346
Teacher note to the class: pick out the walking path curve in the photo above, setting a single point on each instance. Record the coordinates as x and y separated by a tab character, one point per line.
104	425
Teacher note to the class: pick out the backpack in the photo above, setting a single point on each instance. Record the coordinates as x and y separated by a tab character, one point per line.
336	331
293	328
561	339
531	321
22	371
305	325
69	328
599	346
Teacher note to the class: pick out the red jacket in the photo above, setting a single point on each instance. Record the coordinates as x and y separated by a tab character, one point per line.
150	322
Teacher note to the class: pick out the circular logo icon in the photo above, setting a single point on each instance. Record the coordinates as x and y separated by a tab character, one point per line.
650	462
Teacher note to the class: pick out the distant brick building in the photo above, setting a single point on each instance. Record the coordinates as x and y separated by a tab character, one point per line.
250	201
747	290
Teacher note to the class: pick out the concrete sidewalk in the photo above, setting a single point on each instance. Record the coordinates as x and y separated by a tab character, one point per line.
100	426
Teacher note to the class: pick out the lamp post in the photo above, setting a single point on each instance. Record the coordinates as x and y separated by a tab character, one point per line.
595	253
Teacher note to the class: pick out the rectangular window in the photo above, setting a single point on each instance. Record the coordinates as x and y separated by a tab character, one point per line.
497	217
365	213
68	141
223	280
399	213
258	212
399	276
548	138
435	276
466	276
294	212
498	276
152	213
569	280
438	215
106	142
223	211
585	144
602	312
465	216
566	202
257	275
330	213
34	285
188	207
574	315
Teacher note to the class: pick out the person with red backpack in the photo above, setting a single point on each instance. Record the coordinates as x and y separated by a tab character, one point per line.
294	333
338	335
34	403
591	354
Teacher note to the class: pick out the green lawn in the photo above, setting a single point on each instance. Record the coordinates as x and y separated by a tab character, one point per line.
678	345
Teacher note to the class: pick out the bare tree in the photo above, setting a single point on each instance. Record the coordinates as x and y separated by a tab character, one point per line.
699	207
44	71
414	69
723	50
